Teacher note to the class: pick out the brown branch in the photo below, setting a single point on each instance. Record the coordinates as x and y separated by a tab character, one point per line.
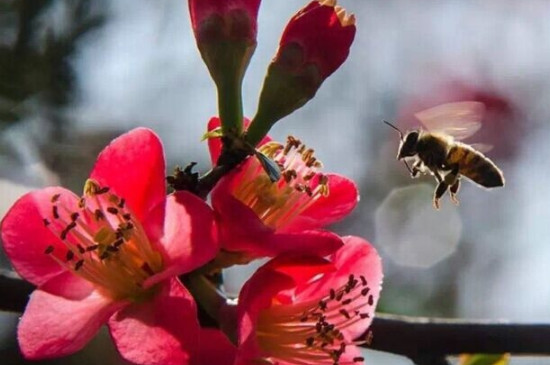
431	360
14	292
210	179
416	337
186	179
424	340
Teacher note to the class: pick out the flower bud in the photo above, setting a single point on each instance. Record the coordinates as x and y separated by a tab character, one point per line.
226	37
226	19
314	44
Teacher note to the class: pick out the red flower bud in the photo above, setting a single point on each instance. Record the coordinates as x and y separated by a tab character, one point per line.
215	20
321	35
226	37
314	44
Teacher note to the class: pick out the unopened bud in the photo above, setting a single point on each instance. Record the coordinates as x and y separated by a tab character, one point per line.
314	44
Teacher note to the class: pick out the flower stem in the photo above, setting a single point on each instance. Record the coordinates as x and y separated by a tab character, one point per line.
230	105
214	303
205	293
209	180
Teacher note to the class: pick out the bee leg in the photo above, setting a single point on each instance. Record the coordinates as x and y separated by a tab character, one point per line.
439	191
453	190
453	181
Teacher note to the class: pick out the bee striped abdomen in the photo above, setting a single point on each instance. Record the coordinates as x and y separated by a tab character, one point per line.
475	166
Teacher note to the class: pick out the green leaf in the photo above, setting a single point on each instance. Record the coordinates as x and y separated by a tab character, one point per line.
214	133
484	359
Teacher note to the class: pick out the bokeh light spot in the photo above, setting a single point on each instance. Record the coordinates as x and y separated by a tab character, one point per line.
411	232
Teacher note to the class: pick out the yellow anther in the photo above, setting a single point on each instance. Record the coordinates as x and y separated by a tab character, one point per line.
104	236
91	187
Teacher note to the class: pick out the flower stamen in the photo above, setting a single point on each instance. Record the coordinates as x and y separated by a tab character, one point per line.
300	185
105	244
313	331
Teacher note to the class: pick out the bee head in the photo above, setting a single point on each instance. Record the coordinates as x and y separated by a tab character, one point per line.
407	147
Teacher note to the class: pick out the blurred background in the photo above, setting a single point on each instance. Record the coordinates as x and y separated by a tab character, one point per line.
76	73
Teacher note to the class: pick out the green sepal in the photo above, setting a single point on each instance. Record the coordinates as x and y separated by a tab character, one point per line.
214	133
284	90
227	62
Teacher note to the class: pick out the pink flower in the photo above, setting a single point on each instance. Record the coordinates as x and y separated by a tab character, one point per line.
111	257
259	218
308	310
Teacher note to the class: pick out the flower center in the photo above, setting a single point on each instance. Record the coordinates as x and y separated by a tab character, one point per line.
105	243
301	184
311	332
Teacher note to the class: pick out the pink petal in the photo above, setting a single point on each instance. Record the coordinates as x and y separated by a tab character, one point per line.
214	348
319	243
241	230
341	201
153	223
357	257
53	326
351	353
295	279
133	167
190	234
300	268
240	227
25	236
163	331
256	295
68	285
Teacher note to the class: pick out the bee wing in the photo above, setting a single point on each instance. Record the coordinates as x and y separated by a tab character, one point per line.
482	147
459	120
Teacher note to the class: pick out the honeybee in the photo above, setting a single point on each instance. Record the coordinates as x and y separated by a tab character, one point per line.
437	149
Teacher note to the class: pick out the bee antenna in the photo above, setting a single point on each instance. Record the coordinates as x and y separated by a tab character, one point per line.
400	135
394	127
